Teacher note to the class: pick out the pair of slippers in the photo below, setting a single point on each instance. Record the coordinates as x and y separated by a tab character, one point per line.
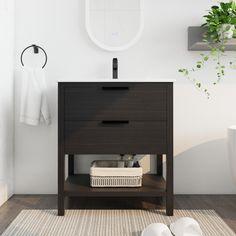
184	226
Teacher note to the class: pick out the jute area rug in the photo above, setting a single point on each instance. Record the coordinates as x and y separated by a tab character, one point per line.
107	222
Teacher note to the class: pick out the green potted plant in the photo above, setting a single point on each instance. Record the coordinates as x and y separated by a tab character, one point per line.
220	25
220	22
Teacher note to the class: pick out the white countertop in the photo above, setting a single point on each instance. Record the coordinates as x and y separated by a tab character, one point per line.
118	80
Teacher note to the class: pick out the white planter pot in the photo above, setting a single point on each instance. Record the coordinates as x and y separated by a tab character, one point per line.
226	34
232	150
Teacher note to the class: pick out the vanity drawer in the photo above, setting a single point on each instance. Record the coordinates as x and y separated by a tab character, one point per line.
115	137
132	101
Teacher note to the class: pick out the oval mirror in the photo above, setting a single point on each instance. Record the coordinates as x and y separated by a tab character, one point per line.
114	25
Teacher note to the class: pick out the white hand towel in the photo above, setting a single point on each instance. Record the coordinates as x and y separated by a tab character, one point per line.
34	107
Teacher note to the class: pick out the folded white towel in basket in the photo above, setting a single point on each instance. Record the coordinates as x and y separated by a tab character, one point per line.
34	107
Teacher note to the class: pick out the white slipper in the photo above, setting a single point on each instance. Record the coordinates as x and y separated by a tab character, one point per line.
186	226
156	229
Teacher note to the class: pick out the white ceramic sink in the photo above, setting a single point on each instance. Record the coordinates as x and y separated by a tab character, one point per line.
141	80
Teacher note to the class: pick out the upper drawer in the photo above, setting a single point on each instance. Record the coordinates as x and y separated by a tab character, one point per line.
132	101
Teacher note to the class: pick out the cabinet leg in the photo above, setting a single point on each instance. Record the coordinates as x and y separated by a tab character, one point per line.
159	165
169	205
61	205
169	156
61	182
71	164
169	185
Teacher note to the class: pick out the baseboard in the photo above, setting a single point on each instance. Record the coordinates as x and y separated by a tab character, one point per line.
5	192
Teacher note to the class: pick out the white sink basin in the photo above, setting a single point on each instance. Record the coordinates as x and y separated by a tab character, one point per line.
157	80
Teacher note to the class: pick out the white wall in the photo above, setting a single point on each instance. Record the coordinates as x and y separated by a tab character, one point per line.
6	98
201	164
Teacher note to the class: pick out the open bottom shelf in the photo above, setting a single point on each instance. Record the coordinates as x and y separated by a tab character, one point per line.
79	185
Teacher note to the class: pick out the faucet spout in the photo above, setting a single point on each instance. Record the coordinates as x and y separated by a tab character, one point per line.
115	68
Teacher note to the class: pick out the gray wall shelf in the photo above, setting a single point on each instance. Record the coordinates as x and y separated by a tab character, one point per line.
195	40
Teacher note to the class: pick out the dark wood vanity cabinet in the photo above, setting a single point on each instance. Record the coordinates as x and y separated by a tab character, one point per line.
115	118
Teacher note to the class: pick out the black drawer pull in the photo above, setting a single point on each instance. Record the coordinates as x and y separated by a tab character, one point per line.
115	88
115	122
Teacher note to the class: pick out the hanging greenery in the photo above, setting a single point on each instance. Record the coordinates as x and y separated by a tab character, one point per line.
219	27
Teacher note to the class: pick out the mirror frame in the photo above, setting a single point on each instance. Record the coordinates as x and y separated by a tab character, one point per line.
103	45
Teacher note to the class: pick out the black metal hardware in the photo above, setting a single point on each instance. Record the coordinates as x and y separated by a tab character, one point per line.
115	68
115	88
115	122
36	51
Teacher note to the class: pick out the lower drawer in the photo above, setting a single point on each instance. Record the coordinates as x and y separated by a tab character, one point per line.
115	137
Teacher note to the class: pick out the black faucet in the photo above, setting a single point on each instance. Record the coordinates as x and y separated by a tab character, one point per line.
115	68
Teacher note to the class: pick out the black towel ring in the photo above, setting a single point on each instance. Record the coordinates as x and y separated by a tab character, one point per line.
36	51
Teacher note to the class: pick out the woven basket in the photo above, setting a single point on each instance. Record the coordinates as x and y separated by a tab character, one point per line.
101	175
